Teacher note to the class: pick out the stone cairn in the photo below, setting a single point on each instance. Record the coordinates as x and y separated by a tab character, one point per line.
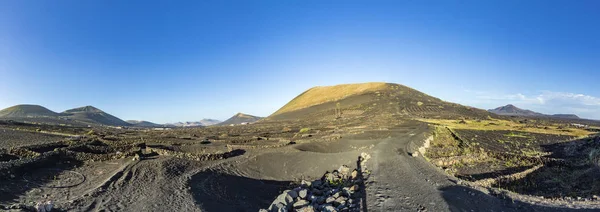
339	190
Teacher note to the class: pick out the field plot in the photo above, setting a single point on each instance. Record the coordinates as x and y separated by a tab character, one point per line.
10	138
544	160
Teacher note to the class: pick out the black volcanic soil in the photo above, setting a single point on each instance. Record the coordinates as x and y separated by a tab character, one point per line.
10	137
247	182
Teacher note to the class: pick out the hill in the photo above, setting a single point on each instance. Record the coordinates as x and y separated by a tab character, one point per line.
240	118
139	123
511	110
369	99
23	111
92	115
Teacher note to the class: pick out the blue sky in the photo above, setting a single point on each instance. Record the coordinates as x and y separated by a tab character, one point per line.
166	61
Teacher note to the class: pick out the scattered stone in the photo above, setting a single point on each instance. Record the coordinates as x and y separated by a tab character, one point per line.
136	157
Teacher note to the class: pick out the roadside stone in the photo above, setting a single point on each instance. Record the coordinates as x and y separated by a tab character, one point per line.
329	208
309	208
354	174
336	195
340	201
305	184
317	183
302	193
344	170
317	192
300	204
292	194
279	207
329	200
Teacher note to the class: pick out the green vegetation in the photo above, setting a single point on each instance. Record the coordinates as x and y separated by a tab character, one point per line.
304	130
499	124
517	134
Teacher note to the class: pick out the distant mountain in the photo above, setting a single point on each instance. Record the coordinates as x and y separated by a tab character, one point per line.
241	118
209	122
137	123
24	111
511	110
186	124
92	115
87	115
566	116
201	123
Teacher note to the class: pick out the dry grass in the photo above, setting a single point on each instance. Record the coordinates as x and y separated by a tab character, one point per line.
323	94
498	124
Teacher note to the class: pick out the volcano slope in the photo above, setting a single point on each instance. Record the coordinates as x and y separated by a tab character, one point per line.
245	167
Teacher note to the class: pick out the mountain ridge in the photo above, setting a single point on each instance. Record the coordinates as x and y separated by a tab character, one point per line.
240	118
511	110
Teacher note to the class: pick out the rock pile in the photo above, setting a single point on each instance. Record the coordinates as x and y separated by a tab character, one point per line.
339	190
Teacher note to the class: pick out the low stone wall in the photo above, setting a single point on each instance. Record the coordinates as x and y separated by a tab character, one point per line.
197	157
13	168
506	178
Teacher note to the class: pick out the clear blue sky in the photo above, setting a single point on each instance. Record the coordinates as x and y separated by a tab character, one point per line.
167	61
